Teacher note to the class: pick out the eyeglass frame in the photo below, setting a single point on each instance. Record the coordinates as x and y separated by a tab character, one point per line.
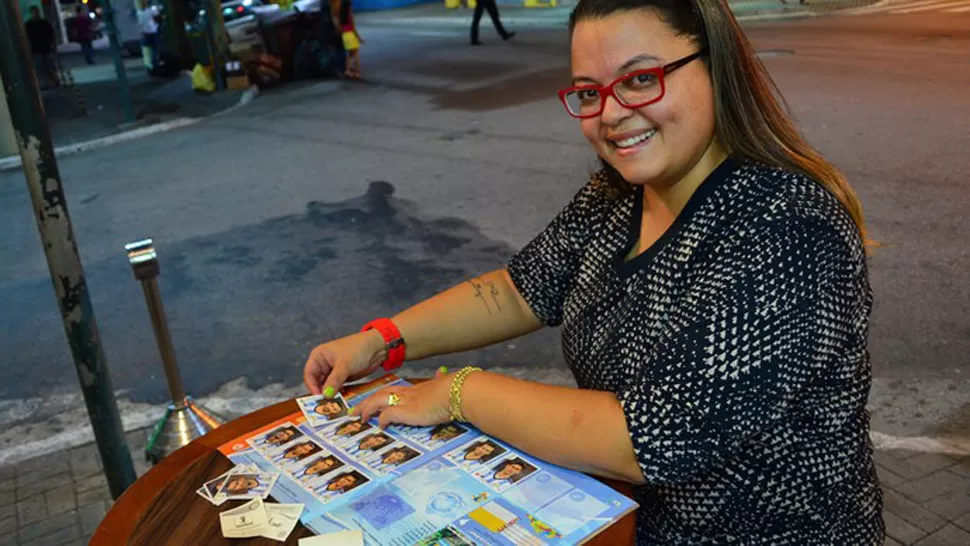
607	91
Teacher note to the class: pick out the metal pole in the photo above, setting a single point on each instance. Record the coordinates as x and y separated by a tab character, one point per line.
54	223
123	90
144	262
184	420
214	29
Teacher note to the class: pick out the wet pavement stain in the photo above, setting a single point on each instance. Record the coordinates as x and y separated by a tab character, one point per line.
253	301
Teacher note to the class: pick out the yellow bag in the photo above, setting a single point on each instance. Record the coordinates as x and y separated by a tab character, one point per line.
202	79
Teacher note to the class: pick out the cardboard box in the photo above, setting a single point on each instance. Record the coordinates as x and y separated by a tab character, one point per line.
238	82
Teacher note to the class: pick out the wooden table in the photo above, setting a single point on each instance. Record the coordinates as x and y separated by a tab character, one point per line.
162	508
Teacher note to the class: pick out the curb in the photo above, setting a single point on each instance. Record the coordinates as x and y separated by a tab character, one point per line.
14	162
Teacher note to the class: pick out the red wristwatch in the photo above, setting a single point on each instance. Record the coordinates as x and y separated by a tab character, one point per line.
392	341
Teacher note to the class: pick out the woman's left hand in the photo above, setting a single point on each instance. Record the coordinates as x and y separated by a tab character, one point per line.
424	404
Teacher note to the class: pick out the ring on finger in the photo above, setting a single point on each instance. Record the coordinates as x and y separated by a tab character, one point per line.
393	399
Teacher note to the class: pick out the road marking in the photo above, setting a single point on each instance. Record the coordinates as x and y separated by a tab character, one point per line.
13	162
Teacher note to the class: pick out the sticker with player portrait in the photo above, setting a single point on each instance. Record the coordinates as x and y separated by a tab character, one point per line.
317	467
294	452
474	454
345	432
274	440
505	473
246	485
391	457
431	438
321	411
367	443
336	484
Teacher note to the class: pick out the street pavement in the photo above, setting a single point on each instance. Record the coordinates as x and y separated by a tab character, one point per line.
317	207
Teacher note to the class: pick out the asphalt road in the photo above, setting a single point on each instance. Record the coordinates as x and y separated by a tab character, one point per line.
317	207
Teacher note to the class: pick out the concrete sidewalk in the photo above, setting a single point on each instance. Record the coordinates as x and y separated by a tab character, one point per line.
60	498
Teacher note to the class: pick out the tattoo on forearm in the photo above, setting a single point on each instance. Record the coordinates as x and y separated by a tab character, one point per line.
480	288
494	292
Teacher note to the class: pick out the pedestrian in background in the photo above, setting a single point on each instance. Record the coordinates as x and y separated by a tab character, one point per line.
148	24
84	28
351	39
41	37
492	8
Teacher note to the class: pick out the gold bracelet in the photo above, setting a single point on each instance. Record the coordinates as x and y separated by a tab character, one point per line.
455	396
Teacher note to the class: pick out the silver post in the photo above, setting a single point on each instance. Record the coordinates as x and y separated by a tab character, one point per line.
184	420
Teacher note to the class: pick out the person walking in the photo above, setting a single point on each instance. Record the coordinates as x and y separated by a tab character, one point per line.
351	39
148	24
492	8
41	37
84	27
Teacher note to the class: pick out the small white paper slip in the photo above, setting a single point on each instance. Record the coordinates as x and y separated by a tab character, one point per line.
343	538
281	519
248	520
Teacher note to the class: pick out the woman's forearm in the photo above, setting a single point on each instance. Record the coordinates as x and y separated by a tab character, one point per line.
584	430
479	312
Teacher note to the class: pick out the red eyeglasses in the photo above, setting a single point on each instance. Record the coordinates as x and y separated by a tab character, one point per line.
634	90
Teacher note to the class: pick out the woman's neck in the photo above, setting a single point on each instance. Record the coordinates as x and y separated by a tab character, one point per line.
675	196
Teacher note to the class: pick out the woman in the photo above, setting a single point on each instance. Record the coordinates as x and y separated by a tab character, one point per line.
711	285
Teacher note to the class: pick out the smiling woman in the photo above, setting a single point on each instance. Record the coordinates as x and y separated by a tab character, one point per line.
711	285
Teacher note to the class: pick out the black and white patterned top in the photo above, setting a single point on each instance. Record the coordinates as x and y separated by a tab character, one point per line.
736	345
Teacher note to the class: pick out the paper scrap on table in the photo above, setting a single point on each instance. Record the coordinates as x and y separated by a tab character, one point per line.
248	520
343	538
259	519
281	520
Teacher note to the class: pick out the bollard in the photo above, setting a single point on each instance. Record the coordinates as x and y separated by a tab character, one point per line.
184	419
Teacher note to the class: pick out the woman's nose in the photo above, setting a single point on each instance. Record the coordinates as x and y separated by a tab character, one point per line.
613	111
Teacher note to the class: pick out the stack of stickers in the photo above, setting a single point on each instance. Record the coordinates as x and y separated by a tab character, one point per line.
242	482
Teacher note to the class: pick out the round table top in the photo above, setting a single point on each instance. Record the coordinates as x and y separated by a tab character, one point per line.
162	507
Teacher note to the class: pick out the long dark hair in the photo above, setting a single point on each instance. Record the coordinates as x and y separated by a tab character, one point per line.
751	119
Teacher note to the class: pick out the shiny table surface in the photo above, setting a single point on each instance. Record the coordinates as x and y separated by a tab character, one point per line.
162	508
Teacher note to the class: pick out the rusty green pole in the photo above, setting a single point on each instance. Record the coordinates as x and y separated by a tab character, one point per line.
50	210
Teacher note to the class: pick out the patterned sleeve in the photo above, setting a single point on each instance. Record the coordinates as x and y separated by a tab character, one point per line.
778	308
544	269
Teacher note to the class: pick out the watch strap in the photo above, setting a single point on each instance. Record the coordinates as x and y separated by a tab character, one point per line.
393	342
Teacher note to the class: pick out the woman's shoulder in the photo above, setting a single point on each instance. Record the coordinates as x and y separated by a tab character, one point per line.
771	202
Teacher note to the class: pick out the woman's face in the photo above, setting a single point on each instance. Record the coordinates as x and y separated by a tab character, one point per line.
603	49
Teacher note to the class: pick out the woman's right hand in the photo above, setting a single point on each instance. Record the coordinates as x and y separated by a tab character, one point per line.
335	362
